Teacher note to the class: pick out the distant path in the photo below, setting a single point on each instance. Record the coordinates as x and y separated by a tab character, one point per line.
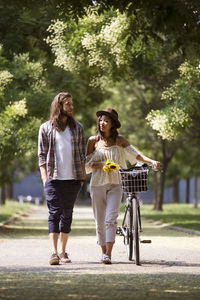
24	247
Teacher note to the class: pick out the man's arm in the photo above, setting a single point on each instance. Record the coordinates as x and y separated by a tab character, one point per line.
82	151
42	153
83	167
43	172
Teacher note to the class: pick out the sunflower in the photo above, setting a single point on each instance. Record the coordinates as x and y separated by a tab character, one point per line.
110	166
108	162
106	168
113	167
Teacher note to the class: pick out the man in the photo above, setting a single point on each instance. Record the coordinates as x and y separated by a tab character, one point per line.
61	151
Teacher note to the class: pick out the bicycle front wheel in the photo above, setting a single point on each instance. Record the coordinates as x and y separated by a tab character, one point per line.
136	232
128	228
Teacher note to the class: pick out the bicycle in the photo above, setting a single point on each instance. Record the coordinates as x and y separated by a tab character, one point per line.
134	180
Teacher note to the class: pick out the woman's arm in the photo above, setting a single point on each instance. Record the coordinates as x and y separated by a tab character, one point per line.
148	160
90	149
123	142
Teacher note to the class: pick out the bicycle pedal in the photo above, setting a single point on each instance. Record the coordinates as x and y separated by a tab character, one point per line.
119	231
145	241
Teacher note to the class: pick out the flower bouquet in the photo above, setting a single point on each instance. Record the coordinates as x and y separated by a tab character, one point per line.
110	166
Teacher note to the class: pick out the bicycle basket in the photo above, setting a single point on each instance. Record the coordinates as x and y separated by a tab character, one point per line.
134	179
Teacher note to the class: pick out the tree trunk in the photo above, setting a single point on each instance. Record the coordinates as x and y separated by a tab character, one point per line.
2	195
168	151
160	198
155	189
176	198
195	192
9	191
187	192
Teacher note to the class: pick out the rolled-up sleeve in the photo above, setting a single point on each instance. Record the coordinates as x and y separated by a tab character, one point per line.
131	153
42	146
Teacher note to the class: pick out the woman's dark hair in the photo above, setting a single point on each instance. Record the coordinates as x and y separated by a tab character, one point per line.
113	130
56	113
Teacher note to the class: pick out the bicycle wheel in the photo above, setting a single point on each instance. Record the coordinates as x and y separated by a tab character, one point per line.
128	228
136	232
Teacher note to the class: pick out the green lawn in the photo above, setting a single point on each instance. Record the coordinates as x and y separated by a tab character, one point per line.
11	208
180	215
49	283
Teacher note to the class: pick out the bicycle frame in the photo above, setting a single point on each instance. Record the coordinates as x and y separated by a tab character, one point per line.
128	205
134	180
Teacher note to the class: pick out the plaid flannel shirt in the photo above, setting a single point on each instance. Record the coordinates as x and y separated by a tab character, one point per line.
47	150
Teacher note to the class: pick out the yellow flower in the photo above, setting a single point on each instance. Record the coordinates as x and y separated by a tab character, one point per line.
113	167
110	166
108	162
106	169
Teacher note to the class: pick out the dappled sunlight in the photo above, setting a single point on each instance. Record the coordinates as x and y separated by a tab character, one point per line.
52	283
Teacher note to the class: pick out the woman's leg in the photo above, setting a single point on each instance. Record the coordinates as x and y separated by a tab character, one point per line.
98	195
114	196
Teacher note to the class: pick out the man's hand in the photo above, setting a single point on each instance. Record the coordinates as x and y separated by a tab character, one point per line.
82	183
43	172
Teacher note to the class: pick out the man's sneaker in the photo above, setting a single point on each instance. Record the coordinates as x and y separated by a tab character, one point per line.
54	259
64	258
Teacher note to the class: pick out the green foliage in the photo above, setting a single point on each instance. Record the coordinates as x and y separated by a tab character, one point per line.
21	80
5	78
17	136
182	105
138	44
97	43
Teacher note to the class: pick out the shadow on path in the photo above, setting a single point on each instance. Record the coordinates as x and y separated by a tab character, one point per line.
51	283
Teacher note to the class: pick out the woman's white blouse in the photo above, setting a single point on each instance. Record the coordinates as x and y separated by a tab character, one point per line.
116	154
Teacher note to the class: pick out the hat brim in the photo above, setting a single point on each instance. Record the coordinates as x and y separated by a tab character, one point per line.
103	112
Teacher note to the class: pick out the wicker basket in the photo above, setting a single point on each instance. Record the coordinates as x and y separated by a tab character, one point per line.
134	179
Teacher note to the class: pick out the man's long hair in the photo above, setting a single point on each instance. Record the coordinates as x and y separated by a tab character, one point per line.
56	113
113	131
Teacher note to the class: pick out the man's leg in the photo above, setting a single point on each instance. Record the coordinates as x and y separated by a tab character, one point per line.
54	241
68	196
63	254
55	211
63	240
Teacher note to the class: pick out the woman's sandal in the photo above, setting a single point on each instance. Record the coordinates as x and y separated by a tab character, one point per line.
106	259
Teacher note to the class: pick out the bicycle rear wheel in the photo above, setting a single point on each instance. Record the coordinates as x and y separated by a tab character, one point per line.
128	228
136	232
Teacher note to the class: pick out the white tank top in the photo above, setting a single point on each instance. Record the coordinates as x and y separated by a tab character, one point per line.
64	154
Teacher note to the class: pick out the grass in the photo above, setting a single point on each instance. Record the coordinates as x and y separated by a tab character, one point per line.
180	215
11	208
51	284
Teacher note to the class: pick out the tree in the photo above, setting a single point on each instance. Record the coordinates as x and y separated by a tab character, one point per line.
18	122
182	111
106	46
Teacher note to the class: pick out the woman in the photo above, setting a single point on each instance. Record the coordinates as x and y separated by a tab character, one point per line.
105	187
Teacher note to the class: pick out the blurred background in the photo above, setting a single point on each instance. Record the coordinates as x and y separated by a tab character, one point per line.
141	58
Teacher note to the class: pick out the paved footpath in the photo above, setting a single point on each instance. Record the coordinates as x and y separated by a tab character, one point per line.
24	249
